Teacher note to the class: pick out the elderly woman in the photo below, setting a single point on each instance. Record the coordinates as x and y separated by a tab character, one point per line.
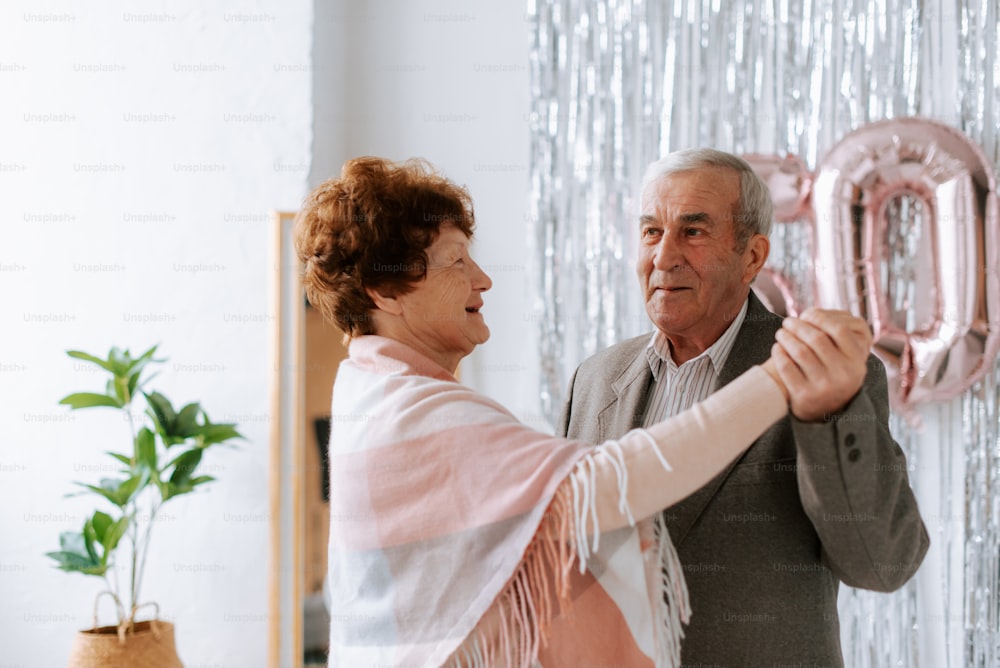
454	528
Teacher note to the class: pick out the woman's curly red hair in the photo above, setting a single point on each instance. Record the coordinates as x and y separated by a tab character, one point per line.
369	229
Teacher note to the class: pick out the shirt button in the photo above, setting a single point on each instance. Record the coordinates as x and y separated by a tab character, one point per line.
854	455
849	440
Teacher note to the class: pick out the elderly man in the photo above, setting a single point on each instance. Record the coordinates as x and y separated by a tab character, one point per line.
821	498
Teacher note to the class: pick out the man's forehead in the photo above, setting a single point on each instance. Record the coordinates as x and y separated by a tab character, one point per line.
702	196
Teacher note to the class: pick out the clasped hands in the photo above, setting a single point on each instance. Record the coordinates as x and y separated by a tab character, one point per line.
820	360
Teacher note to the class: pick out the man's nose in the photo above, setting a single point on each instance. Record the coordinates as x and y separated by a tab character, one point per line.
667	254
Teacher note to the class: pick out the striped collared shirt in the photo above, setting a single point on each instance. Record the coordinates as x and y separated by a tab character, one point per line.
677	388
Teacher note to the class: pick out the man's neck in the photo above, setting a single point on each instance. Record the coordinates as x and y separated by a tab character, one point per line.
684	349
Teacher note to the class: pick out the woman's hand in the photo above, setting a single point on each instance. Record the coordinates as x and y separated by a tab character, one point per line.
821	357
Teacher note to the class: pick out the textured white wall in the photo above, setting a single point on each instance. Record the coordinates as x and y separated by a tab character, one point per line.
448	81
142	149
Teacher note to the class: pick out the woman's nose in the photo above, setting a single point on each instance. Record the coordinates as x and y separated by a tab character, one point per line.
481	281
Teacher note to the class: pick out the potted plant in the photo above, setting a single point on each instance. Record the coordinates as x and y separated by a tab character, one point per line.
161	465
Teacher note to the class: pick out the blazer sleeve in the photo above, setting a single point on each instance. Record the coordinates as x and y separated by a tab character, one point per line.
854	487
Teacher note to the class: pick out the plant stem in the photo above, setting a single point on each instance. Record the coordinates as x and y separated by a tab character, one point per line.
133	510
144	549
133	539
117	588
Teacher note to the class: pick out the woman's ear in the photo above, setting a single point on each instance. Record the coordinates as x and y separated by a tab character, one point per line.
384	302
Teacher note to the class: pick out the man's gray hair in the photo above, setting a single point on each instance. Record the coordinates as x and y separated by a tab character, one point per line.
756	209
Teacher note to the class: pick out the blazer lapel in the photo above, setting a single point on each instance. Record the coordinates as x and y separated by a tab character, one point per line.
752	346
753	343
627	411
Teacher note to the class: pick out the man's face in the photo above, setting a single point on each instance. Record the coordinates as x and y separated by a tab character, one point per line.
693	277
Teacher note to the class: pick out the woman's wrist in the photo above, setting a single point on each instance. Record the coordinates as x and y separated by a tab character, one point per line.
772	370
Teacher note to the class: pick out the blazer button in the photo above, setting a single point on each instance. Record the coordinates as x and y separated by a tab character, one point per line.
849	440
854	455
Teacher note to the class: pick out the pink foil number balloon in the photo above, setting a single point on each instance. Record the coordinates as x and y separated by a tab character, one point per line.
906	232
789	181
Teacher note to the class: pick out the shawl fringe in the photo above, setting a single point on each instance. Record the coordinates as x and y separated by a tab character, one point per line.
526	604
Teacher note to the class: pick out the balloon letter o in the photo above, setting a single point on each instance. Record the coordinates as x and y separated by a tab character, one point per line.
907	237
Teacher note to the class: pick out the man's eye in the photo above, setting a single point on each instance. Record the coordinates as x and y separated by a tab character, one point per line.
650	231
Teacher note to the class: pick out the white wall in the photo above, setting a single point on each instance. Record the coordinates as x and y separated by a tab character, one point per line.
142	150
447	81
140	153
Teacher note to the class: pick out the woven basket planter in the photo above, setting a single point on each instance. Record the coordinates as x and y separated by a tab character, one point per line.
150	644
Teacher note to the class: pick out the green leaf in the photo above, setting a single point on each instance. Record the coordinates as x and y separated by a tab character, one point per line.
171	441
109	494
187	420
100	522
72	562
180	481
169	490
217	433
161	412
139	363
133	486
89	538
76	554
90	400
119	492
121	361
112	536
172	491
135	369
118	386
87	357
184	466
71	541
133	382
124	459
145	449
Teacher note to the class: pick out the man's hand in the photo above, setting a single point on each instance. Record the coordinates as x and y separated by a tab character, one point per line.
821	358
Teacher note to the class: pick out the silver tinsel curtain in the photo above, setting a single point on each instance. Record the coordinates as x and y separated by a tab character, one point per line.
618	83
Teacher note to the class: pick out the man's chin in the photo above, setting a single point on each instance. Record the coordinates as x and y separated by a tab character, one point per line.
667	319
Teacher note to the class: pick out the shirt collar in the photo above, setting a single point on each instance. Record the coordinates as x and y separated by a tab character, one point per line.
658	349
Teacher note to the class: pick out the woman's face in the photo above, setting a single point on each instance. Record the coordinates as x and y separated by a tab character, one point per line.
443	312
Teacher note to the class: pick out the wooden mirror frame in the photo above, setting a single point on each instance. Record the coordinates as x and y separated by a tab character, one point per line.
287	456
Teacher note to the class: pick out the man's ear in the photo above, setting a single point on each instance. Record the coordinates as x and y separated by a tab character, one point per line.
384	302
758	248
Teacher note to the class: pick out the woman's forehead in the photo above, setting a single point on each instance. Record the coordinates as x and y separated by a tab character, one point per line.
450	236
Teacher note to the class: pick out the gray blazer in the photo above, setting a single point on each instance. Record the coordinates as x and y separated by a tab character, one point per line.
765	544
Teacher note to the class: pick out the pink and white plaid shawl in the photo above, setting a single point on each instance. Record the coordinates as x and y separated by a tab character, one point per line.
454	529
